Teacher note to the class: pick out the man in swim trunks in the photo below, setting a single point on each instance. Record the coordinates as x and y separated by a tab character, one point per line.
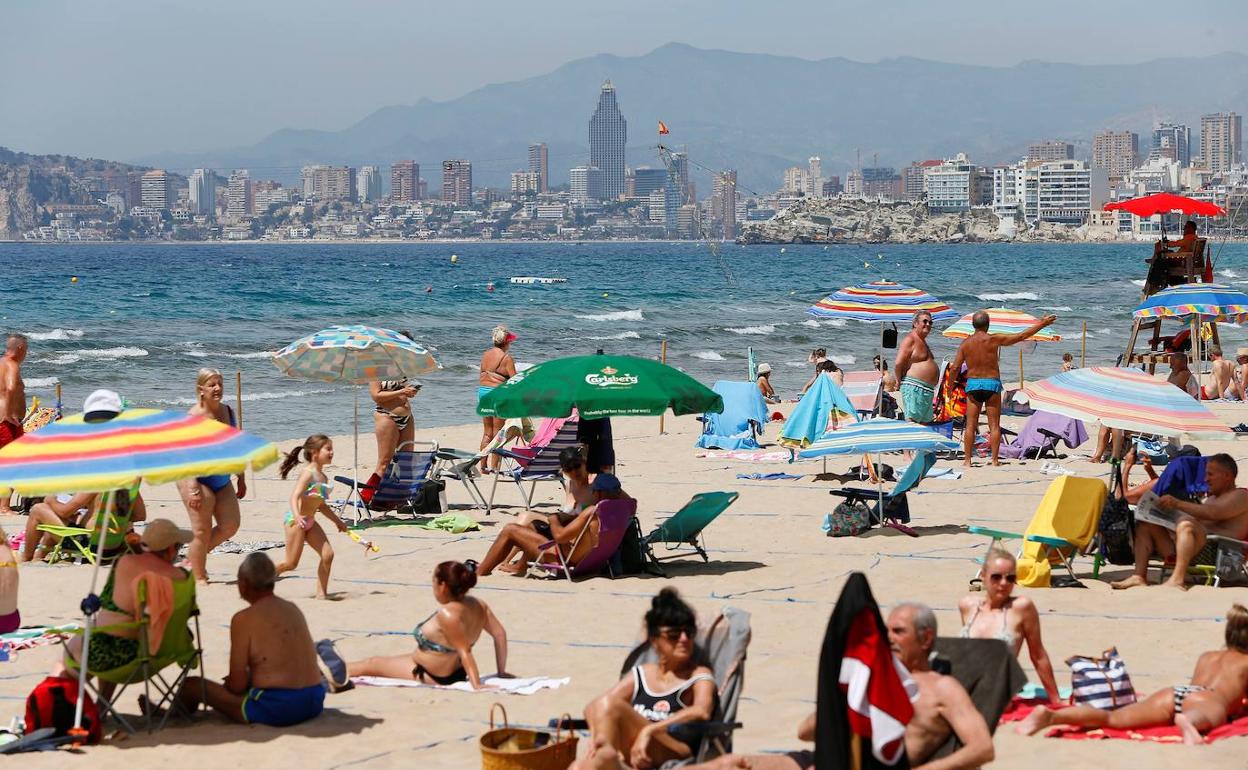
274	678
983	378
1223	374
12	397
917	371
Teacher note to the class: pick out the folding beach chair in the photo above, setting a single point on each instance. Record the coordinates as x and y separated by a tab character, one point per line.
178	647
865	391
614	518
895	511
539	465
741	422
1041	434
686	525
80	544
1063	525
402	485
465	467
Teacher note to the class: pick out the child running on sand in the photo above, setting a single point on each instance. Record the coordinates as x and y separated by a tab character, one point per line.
308	497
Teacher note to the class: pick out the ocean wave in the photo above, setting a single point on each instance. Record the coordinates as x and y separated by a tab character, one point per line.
1005	296
835	322
707	355
56	334
764	329
40	382
812	323
197	353
1138	282
798	364
97	354
1229	273
1057	308
261	396
620	336
620	315
842	360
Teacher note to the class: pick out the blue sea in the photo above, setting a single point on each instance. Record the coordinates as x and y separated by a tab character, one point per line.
142	318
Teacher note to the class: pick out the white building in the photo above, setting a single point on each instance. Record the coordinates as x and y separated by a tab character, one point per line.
814	177
1059	191
1158	174
368	184
796	180
853	183
238	194
956	185
263	198
525	183
656	202
585	183
154	189
203	192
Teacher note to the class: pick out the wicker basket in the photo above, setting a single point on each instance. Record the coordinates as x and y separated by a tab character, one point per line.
555	755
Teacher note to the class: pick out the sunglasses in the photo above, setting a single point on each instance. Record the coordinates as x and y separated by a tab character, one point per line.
997	577
673	633
926	322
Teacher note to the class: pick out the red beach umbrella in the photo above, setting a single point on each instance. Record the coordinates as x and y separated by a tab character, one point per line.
1164	203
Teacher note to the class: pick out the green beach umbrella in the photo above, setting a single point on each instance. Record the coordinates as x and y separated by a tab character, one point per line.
599	386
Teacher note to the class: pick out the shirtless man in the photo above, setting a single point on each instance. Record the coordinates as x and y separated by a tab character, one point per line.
1181	376
274	677
1214	696
1182	246
1223	512
12	397
1223	374
1241	374
917	371
983	379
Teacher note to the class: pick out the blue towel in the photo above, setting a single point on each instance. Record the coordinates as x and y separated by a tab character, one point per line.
809	419
730	429
767	476
1183	477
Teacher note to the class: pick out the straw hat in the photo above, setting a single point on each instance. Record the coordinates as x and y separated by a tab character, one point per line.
764	368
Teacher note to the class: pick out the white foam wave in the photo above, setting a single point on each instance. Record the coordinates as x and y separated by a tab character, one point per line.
707	355
261	396
97	354
40	382
56	334
620	315
764	329
842	360
812	323
1057	308
798	364
1229	273
1006	296
197	353
1138	282
1106	330
620	336
836	322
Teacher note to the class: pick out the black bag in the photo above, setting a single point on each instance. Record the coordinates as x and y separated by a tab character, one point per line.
1117	527
631	558
430	499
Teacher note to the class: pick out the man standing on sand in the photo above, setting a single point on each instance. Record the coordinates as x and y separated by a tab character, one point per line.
12	397
983	378
917	371
274	677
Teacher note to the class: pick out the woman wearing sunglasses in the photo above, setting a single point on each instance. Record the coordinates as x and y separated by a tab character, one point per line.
629	722
998	614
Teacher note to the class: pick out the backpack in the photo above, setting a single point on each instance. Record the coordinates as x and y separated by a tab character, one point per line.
847	520
630	559
431	499
1117	527
52	704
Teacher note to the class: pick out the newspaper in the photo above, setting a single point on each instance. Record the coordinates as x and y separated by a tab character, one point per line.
1150	511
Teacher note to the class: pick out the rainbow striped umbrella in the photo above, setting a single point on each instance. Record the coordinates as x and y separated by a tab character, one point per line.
879	434
157	446
1210	301
880	301
1001	321
1128	399
356	354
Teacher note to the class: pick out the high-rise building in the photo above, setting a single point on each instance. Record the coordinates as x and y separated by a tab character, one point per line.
539	163
1173	141
1115	151
831	186
881	182
328	183
265	194
457	182
679	176
585	183
368	184
724	204
1221	141
796	181
238	201
912	179
646	180
155	191
203	191
134	188
1050	150
853	183
525	184
957	184
1061	191
608	136
404	181
814	177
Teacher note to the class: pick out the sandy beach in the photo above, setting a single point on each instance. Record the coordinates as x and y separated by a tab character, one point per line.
768	557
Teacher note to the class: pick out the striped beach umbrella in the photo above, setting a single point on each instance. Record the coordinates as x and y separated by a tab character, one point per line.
1127	399
1001	321
880	301
1210	301
879	434
149	444
357	354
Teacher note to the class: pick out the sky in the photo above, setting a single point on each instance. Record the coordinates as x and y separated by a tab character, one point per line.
121	80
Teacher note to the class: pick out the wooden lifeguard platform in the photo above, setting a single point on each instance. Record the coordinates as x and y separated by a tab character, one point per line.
1178	268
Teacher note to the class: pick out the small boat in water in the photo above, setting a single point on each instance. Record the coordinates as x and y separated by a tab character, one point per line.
536	279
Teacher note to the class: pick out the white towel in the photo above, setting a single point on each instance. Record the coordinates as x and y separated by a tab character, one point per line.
519	686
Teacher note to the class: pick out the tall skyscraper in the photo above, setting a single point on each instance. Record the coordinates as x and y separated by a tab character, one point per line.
539	163
679	178
608	135
1173	141
1115	151
203	191
328	182
155	190
368	184
814	177
724	204
457	182
1050	150
238	194
405	181
1221	141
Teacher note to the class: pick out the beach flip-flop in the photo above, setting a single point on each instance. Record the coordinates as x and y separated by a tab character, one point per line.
333	667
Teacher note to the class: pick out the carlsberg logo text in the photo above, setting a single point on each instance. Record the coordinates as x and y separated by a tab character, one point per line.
607	380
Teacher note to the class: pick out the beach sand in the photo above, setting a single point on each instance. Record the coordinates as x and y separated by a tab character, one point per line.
768	557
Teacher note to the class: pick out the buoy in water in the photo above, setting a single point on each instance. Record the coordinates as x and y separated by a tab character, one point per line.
489	287
74	279
454	259
605	295
428	290
782	250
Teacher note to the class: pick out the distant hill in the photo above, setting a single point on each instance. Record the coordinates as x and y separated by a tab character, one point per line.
760	113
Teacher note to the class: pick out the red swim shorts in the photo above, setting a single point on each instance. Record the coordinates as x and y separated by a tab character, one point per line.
9	433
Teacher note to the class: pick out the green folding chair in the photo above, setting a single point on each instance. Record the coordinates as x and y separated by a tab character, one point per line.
80	544
178	647
684	528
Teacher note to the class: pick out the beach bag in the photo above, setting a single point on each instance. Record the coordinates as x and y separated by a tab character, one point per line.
1117	527
432	498
52	704
1102	682
847	520
1231	568
515	748
630	559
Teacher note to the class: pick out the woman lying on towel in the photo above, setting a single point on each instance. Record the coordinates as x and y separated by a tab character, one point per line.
630	720
1214	696
444	640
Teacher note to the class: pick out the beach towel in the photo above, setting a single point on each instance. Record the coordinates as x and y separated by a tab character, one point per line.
811	418
1183	477
455	523
744	412
950	474
1020	707
159	604
247	546
518	686
768	476
1071	432
771	456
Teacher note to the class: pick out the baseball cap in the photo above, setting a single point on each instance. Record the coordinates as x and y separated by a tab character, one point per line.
159	534
101	405
605	482
764	368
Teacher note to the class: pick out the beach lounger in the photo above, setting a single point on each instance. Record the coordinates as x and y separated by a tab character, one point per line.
401	485
686	525
614	518
896	508
1063	525
741	422
179	647
865	391
534	464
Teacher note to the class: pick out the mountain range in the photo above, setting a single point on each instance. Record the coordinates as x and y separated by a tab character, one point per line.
760	113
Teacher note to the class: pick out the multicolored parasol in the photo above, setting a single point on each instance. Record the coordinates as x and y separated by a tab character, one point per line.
1002	321
357	354
1210	301
881	301
879	434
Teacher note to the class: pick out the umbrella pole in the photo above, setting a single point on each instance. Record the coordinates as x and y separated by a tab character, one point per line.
355	451
879	488
1083	350
1020	368
90	607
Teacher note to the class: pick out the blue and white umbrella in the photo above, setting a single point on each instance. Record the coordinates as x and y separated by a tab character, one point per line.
878	434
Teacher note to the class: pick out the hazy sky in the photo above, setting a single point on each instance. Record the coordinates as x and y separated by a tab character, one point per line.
126	78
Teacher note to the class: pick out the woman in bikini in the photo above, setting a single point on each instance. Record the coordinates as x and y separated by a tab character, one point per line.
210	498
497	366
444	640
629	722
10	618
997	614
392	422
307	498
